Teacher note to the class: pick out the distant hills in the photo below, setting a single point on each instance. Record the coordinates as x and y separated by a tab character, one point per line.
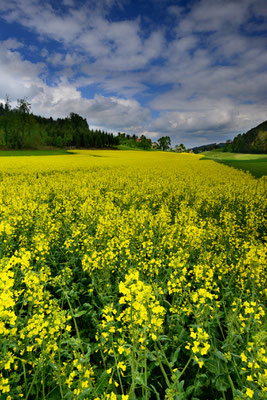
253	141
210	146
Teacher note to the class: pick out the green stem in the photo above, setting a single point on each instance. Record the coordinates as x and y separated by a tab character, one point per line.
162	368
33	381
77	332
116	363
43	388
24	374
164	355
146	375
186	365
75	323
231	383
59	374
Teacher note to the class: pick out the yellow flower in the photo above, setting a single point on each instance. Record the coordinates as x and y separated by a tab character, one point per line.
121	366
249	393
120	349
205	349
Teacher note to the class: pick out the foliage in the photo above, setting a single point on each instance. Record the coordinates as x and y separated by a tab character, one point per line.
131	275
254	141
134	142
20	129
164	142
180	148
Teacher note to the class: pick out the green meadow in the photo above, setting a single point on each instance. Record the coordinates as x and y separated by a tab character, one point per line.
256	164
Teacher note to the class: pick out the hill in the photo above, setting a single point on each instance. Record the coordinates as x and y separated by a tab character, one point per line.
253	141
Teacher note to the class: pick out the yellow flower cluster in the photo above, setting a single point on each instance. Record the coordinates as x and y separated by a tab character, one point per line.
142	309
200	345
254	361
7	300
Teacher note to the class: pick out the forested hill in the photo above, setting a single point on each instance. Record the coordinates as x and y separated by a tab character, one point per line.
19	129
253	141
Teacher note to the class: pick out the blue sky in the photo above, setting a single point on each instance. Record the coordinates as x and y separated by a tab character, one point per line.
193	70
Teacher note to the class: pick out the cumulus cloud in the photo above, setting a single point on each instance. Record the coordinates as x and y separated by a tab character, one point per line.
208	123
111	45
110	113
21	78
18	77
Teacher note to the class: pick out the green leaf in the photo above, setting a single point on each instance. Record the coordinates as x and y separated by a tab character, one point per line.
80	313
139	379
220	355
164	338
103	382
52	365
175	356
155	391
221	383
190	389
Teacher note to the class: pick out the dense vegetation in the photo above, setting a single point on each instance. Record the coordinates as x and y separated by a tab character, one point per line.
133	141
131	275
20	129
254	141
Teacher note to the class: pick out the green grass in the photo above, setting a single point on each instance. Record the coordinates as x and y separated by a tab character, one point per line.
256	164
43	152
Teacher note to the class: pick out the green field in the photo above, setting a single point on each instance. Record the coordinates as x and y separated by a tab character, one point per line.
256	164
43	152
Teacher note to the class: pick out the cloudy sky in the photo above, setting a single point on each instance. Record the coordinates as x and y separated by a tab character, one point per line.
193	70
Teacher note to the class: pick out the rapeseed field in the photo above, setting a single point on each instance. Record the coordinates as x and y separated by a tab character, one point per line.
131	275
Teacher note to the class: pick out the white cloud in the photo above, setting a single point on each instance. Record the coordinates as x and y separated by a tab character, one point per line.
215	15
111	113
118	46
206	123
18	77
11	44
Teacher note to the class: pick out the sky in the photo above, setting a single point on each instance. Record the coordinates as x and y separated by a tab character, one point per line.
193	70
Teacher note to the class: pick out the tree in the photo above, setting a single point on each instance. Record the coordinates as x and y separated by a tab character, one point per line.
144	143
179	148
23	110
7	104
164	142
23	106
2	110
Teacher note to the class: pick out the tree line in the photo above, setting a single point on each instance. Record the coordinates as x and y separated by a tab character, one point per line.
253	141
163	143
20	129
134	141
